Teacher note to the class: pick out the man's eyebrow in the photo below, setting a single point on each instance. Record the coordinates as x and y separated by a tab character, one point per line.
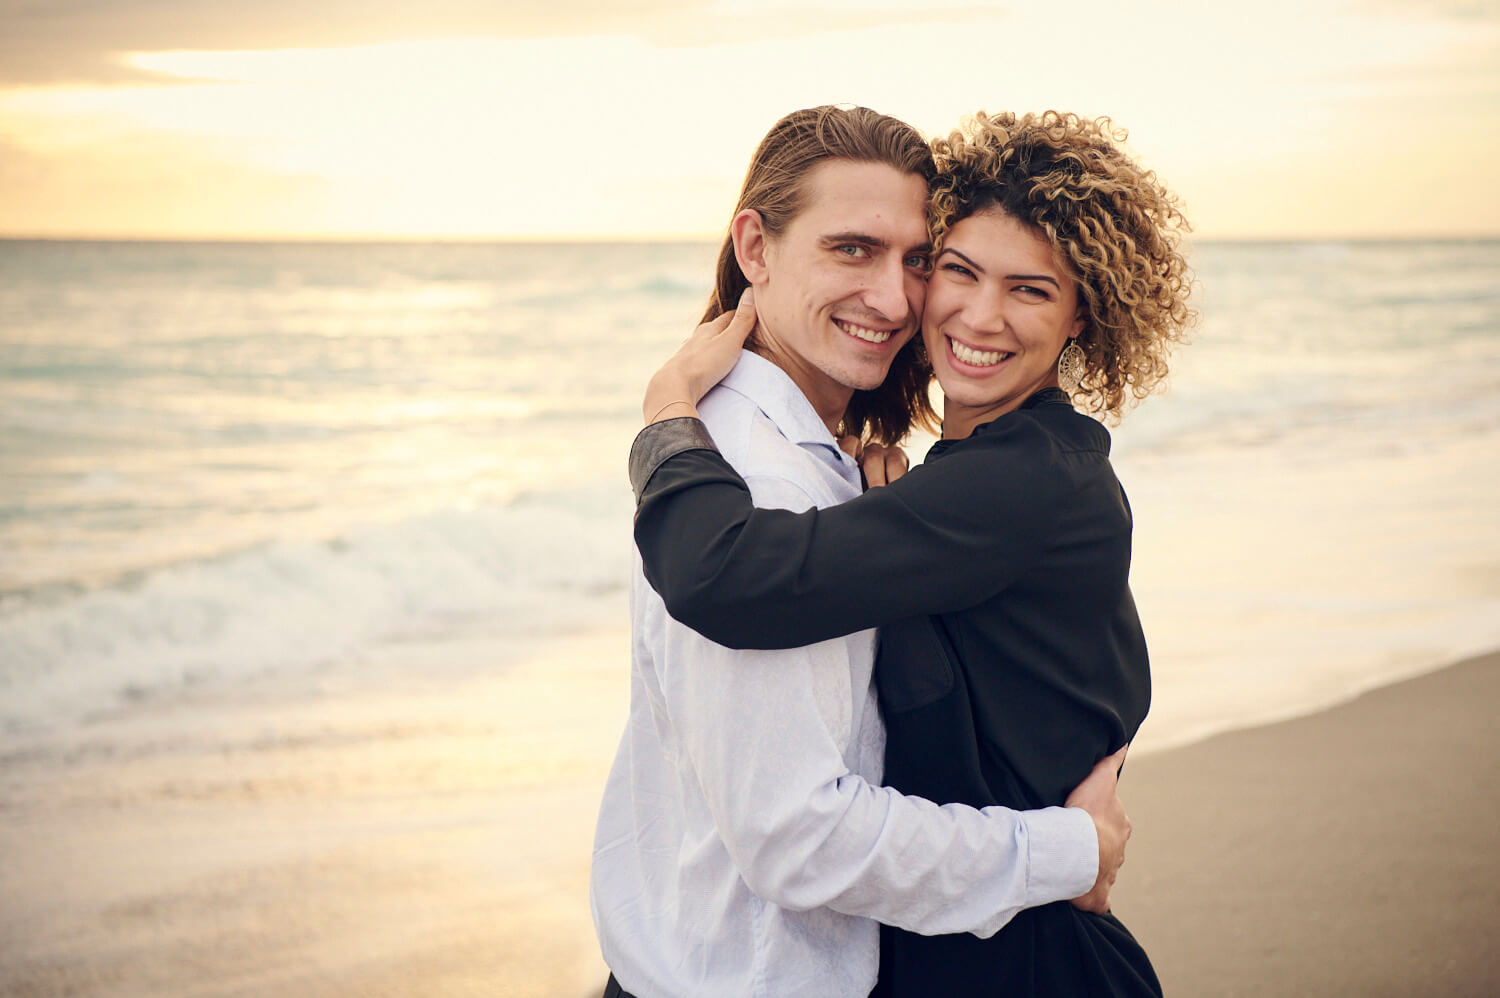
1009	277
865	239
858	238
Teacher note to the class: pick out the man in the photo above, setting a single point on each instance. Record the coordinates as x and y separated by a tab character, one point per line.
744	844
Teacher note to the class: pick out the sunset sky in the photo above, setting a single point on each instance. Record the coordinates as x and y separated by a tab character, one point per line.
635	118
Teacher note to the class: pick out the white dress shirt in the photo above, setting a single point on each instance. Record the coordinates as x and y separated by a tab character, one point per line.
744	844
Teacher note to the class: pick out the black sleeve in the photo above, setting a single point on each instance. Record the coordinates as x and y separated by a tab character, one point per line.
946	536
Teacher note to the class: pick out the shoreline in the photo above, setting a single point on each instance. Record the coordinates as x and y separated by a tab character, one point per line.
1312	705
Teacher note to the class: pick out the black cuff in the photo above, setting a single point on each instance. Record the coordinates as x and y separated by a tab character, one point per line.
659	441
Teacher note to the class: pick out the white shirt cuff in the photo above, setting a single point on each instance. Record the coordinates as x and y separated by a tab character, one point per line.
1064	854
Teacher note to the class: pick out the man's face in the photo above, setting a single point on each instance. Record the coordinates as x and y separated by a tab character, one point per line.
844	284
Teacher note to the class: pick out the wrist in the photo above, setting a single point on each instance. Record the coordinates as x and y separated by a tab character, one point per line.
671	410
668	398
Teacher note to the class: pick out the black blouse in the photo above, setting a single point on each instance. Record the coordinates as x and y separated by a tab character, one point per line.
1011	658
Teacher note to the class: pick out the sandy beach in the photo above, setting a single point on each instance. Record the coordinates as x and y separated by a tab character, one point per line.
429	842
395	847
1351	852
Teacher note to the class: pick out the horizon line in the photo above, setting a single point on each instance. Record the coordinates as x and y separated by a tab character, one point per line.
642	238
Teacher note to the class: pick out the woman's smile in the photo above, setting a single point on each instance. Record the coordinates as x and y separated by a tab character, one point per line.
972	357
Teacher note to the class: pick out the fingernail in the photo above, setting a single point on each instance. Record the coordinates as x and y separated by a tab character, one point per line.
748	298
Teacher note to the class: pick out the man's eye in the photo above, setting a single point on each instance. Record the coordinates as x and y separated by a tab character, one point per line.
851	250
918	261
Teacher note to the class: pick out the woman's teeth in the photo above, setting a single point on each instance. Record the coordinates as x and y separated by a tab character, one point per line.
979	358
860	332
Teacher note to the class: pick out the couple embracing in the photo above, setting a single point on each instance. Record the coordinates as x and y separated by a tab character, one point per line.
877	717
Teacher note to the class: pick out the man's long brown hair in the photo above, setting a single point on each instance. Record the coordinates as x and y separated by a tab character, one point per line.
774	187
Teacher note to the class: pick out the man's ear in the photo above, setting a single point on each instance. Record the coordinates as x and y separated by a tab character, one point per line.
749	235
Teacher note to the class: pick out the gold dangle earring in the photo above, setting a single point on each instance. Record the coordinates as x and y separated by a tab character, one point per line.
1070	365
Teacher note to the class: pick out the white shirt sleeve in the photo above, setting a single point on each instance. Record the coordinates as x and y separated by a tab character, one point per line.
762	732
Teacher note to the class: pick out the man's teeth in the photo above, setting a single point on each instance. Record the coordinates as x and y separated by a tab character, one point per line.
979	358
868	335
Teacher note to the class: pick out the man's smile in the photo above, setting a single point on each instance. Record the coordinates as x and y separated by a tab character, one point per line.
863	332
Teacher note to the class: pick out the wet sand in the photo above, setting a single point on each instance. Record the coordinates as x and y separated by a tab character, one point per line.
1352	852
435	842
431	842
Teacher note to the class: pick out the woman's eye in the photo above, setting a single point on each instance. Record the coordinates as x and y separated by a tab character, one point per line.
1030	291
959	269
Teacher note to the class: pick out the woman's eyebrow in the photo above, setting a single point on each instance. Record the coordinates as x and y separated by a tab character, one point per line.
1009	277
1034	277
972	265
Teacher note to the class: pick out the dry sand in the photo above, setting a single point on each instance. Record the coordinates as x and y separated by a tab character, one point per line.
437	845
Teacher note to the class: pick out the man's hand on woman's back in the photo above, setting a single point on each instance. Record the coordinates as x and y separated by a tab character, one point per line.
1099	795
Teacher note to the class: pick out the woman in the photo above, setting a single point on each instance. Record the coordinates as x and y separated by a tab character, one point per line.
1011	658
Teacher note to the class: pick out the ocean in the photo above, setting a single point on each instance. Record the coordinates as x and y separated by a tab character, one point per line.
225	462
294	474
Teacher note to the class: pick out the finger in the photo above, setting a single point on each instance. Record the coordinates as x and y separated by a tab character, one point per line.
717	324
744	308
896	464
874	467
742	319
850	445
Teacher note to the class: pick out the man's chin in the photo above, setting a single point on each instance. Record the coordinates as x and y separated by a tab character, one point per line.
866	382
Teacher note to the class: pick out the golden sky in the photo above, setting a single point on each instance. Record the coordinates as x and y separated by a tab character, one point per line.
635	118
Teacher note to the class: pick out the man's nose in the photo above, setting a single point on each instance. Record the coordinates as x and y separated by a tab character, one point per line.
886	292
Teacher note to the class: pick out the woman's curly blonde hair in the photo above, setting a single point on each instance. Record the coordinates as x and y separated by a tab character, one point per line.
1113	224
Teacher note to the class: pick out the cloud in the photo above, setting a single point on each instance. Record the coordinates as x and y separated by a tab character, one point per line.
644	127
130	184
82	42
86	42
1452	10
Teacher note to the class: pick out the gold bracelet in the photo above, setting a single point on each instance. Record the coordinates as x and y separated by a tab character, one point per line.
666	407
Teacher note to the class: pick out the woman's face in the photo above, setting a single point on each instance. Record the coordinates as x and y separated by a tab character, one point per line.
1000	308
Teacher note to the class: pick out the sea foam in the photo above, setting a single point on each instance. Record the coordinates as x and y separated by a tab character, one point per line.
545	564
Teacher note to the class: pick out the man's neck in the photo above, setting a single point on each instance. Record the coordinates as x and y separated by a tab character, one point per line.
828	398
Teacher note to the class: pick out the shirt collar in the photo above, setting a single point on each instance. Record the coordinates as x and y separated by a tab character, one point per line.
778	396
1047	396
